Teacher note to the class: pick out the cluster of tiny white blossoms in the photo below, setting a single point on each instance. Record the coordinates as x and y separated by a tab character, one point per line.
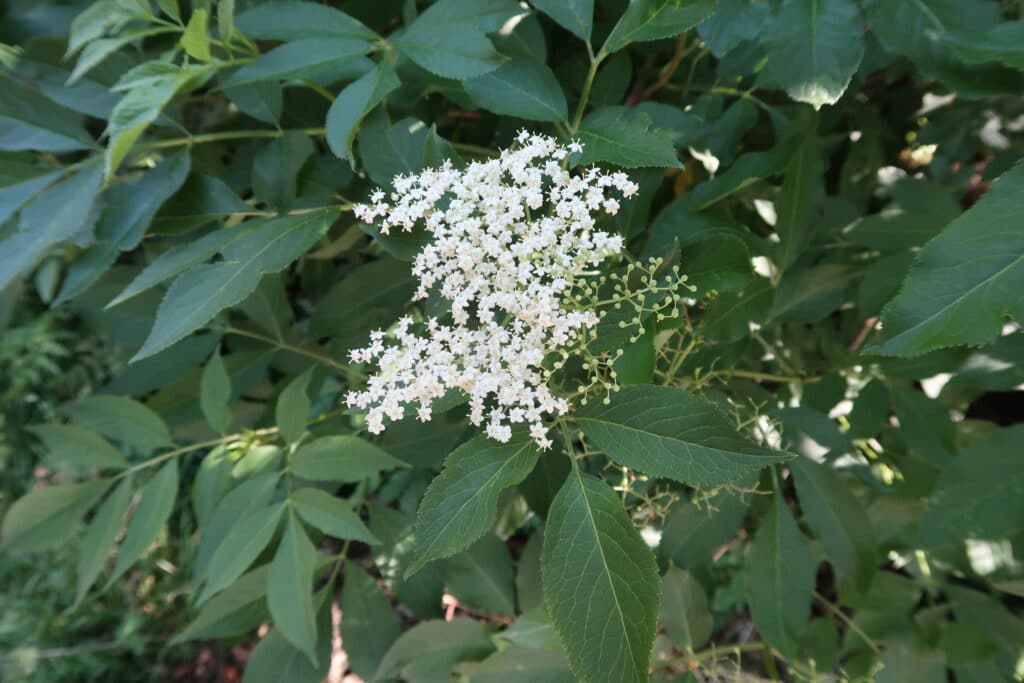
511	238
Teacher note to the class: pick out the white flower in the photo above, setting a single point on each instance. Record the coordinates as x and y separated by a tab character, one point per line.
512	236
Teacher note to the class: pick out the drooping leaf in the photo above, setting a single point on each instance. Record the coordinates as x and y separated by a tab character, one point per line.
646	20
196	38
199	294
292	409
369	626
320	59
600	582
156	502
667	432
333	516
341	458
99	50
46	517
522	88
353	103
623	137
99	539
241	502
122	419
215	394
290	589
781	579
240	548
461	503
837	518
275	659
965	281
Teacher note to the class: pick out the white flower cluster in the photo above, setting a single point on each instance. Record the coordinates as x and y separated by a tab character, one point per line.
512	236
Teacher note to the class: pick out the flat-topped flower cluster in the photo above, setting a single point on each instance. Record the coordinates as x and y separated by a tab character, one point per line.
511	238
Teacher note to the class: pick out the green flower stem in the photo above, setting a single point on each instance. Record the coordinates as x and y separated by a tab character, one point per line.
156	460
220	136
581	106
850	623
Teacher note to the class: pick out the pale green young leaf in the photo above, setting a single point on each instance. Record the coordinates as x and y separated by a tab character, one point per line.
226	20
196	38
121	418
47	517
96	20
576	16
156	502
522	88
353	103
668	432
293	407
966	281
78	447
781	581
426	652
331	515
684	609
215	394
290	589
600	582
240	548
199	294
320	59
646	20
814	48
341	458
99	539
837	518
623	137
370	625
461	504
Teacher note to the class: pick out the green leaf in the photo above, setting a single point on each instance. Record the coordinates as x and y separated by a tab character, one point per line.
333	516
96	20
171	9
274	659
201	200
542	484
684	609
925	425
290	589
695	530
20	180
78	447
461	504
239	608
809	294
240	503
646	20
576	16
814	48
920	210
522	88
428	40
802	193
47	517
781	579
837	518
623	137
979	494
341	458
296	20
320	59
363	301
240	548
721	262
31	121
369	626
1002	42
122	419
276	168
482	576
63	211
196	38
100	538
293	408
199	294
600	582
353	103
667	432
966	281
156	502
733	22
215	394
99	50
426	652
517	663
728	317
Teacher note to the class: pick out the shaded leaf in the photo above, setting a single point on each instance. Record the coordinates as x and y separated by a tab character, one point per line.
341	458
290	589
156	502
623	137
334	516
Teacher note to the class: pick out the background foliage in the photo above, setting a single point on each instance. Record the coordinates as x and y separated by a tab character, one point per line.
182	279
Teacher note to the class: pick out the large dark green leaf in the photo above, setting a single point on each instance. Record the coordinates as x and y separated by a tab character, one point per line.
30	121
646	20
297	19
966	281
667	432
600	582
341	458
426	652
576	16
461	504
522	88
198	295
369	626
482	576
623	137
684	609
333	516
319	59
290	589
353	103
